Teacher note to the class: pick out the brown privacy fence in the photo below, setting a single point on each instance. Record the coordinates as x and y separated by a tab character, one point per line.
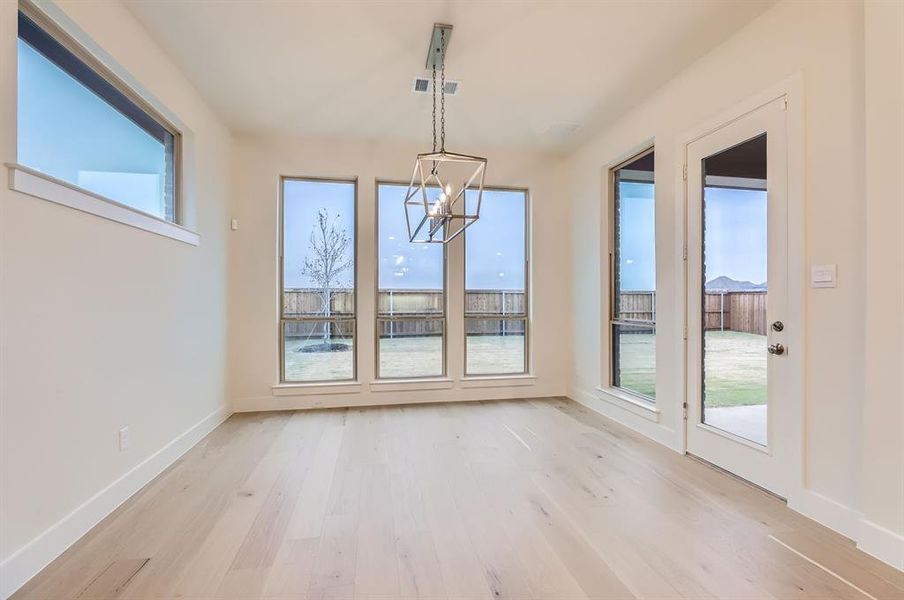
723	311
308	302
735	311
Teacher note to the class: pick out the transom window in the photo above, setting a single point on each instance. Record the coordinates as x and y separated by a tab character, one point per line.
632	324
79	124
496	270
411	294
317	280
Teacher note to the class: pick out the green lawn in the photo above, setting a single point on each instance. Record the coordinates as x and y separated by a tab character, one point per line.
735	367
406	357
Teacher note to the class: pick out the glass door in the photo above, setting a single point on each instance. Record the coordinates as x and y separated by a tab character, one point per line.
737	296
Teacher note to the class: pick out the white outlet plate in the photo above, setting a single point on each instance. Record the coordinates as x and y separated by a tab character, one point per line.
124	438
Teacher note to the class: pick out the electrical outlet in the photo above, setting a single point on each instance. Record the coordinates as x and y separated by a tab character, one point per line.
124	438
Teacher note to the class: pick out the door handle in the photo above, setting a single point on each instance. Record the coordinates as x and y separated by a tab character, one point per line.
776	349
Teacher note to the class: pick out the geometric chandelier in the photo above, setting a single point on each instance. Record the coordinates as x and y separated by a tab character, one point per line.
446	188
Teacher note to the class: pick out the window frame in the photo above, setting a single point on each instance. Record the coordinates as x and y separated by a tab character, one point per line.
281	318
117	94
613	320
443	317
525	316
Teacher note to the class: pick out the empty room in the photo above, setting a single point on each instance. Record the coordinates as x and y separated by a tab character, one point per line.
451	299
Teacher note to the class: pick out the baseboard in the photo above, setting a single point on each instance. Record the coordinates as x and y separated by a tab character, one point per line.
825	511
29	560
382	398
652	430
882	543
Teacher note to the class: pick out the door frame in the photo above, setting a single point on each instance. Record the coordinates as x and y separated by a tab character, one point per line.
792	88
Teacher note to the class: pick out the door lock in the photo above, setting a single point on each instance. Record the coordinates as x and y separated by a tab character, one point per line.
776	349
778	326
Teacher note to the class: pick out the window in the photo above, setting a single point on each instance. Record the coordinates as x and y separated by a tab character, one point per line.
317	255
633	271
411	295
496	285
79	125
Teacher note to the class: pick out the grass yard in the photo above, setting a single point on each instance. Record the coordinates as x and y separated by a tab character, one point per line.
406	357
735	367
317	366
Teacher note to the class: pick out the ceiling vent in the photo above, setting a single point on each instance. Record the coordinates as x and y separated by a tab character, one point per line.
423	85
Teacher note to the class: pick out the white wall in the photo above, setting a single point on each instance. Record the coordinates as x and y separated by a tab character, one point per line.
882	494
253	310
823	42
103	325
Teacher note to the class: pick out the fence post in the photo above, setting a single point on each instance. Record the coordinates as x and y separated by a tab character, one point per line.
503	313
722	311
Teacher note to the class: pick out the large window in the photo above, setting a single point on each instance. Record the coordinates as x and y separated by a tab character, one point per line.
411	295
78	124
496	285
317	255
633	270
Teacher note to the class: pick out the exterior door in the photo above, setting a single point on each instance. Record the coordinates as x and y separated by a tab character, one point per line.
738	382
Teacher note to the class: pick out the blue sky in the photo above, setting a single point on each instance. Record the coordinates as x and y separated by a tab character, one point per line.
495	243
637	248
735	235
301	201
68	132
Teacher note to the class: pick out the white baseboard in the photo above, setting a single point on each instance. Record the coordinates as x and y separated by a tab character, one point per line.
29	560
825	511
625	416
882	543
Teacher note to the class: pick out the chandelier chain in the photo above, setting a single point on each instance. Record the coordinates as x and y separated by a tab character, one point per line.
442	91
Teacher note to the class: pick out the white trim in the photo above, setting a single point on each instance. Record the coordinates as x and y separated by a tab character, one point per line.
497	381
402	385
30	559
40	185
316	389
629	402
746	183
649	428
823	510
881	543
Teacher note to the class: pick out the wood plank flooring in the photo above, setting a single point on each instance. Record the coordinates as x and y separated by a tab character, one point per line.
508	499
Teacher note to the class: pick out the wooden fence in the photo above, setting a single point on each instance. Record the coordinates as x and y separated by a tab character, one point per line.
723	311
395	305
736	311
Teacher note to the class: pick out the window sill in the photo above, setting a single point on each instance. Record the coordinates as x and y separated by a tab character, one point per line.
405	385
37	184
630	403
316	388
492	381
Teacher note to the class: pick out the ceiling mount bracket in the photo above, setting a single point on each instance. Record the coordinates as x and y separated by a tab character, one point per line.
436	53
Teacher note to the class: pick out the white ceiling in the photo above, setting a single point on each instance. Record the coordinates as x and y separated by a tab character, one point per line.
345	68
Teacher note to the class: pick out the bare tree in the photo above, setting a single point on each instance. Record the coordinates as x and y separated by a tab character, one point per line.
326	262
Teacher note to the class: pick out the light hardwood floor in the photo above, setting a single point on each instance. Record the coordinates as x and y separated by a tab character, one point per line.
514	499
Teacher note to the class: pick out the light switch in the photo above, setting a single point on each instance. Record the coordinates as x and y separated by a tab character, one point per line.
234	225
823	276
